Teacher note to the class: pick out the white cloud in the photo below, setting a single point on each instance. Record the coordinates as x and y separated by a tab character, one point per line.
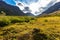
36	7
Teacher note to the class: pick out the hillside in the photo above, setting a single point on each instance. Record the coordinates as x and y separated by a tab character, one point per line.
29	28
53	8
10	10
55	13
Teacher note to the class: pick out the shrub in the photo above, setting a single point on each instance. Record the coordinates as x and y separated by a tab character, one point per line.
4	23
37	35
33	18
24	37
45	20
29	19
16	20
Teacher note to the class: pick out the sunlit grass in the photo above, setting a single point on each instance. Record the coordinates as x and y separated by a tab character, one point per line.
49	28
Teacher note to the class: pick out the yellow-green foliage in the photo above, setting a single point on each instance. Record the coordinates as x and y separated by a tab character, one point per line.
42	28
7	20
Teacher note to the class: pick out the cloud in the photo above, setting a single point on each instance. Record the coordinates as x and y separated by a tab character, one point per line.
35	7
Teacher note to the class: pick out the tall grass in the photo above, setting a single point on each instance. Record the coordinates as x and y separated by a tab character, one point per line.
7	20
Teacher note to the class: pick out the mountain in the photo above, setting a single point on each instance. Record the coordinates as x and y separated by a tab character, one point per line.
55	13
10	10
35	7
15	11
53	8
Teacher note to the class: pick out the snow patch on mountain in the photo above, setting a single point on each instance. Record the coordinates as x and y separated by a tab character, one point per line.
36	7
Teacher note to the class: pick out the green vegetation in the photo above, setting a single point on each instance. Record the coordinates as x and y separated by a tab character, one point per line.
29	28
46	27
7	20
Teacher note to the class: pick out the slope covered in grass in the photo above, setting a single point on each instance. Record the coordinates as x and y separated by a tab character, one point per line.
29	28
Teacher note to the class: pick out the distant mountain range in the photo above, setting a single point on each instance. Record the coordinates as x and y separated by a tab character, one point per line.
15	11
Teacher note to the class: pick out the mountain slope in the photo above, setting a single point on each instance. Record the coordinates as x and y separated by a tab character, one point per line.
55	13
53	8
10	10
15	11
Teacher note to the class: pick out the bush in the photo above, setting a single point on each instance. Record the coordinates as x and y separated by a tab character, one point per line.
24	37
19	20
29	19
37	35
4	23
45	20
16	21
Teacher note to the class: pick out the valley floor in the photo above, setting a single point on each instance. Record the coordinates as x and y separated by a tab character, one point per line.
41	28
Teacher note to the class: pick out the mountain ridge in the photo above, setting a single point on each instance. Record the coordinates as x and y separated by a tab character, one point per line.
15	11
10	10
53	8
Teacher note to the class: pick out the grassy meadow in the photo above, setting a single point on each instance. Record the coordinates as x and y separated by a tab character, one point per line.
29	28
